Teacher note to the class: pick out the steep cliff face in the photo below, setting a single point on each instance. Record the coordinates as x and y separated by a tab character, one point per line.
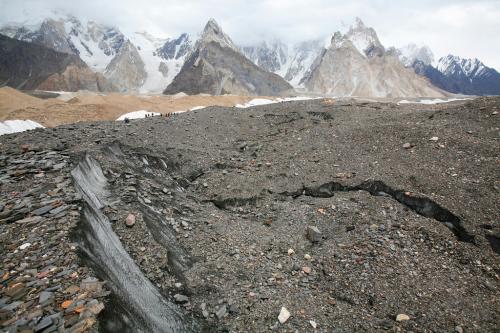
126	70
217	67
52	34
31	66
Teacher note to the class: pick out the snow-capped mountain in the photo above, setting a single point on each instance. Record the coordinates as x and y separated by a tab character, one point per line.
356	64
462	76
456	66
290	61
216	66
410	53
351	63
364	39
135	62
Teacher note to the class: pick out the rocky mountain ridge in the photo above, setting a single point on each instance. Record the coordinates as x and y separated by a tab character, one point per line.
144	63
30	66
461	75
357	64
131	63
216	66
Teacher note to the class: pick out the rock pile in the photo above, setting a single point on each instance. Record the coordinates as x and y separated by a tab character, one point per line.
43	288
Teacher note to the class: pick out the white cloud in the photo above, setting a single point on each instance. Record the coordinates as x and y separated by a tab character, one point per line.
462	27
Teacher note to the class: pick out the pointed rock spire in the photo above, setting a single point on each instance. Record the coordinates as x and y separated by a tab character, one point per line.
214	33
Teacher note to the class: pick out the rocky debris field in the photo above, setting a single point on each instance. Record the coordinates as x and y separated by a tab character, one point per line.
293	217
43	287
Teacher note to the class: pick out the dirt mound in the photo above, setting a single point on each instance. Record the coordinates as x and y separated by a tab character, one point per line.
84	106
11	98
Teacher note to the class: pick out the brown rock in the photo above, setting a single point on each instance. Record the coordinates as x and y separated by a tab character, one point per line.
130	220
14	289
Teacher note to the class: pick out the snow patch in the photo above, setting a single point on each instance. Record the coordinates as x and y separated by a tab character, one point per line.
433	101
14	126
197	108
178	112
264	101
137	115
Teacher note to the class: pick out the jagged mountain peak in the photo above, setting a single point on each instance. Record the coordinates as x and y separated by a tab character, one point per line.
455	65
359	36
365	39
461	75
212	25
217	66
214	33
356	64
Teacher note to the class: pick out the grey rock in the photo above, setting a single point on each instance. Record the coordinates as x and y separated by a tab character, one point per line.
59	166
43	324
181	298
233	308
12	306
313	234
45	297
58	210
43	210
221	313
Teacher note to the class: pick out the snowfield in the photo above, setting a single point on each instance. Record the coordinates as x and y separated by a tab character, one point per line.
14	126
137	115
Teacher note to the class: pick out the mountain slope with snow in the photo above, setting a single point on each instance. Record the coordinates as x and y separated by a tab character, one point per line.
132	63
364	39
290	61
410	53
462	76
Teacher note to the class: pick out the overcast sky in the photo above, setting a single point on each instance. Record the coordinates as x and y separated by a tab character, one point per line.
462	27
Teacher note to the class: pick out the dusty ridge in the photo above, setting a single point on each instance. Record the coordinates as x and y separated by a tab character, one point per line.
82	106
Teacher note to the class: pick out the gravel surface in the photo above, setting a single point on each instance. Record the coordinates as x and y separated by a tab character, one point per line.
301	216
